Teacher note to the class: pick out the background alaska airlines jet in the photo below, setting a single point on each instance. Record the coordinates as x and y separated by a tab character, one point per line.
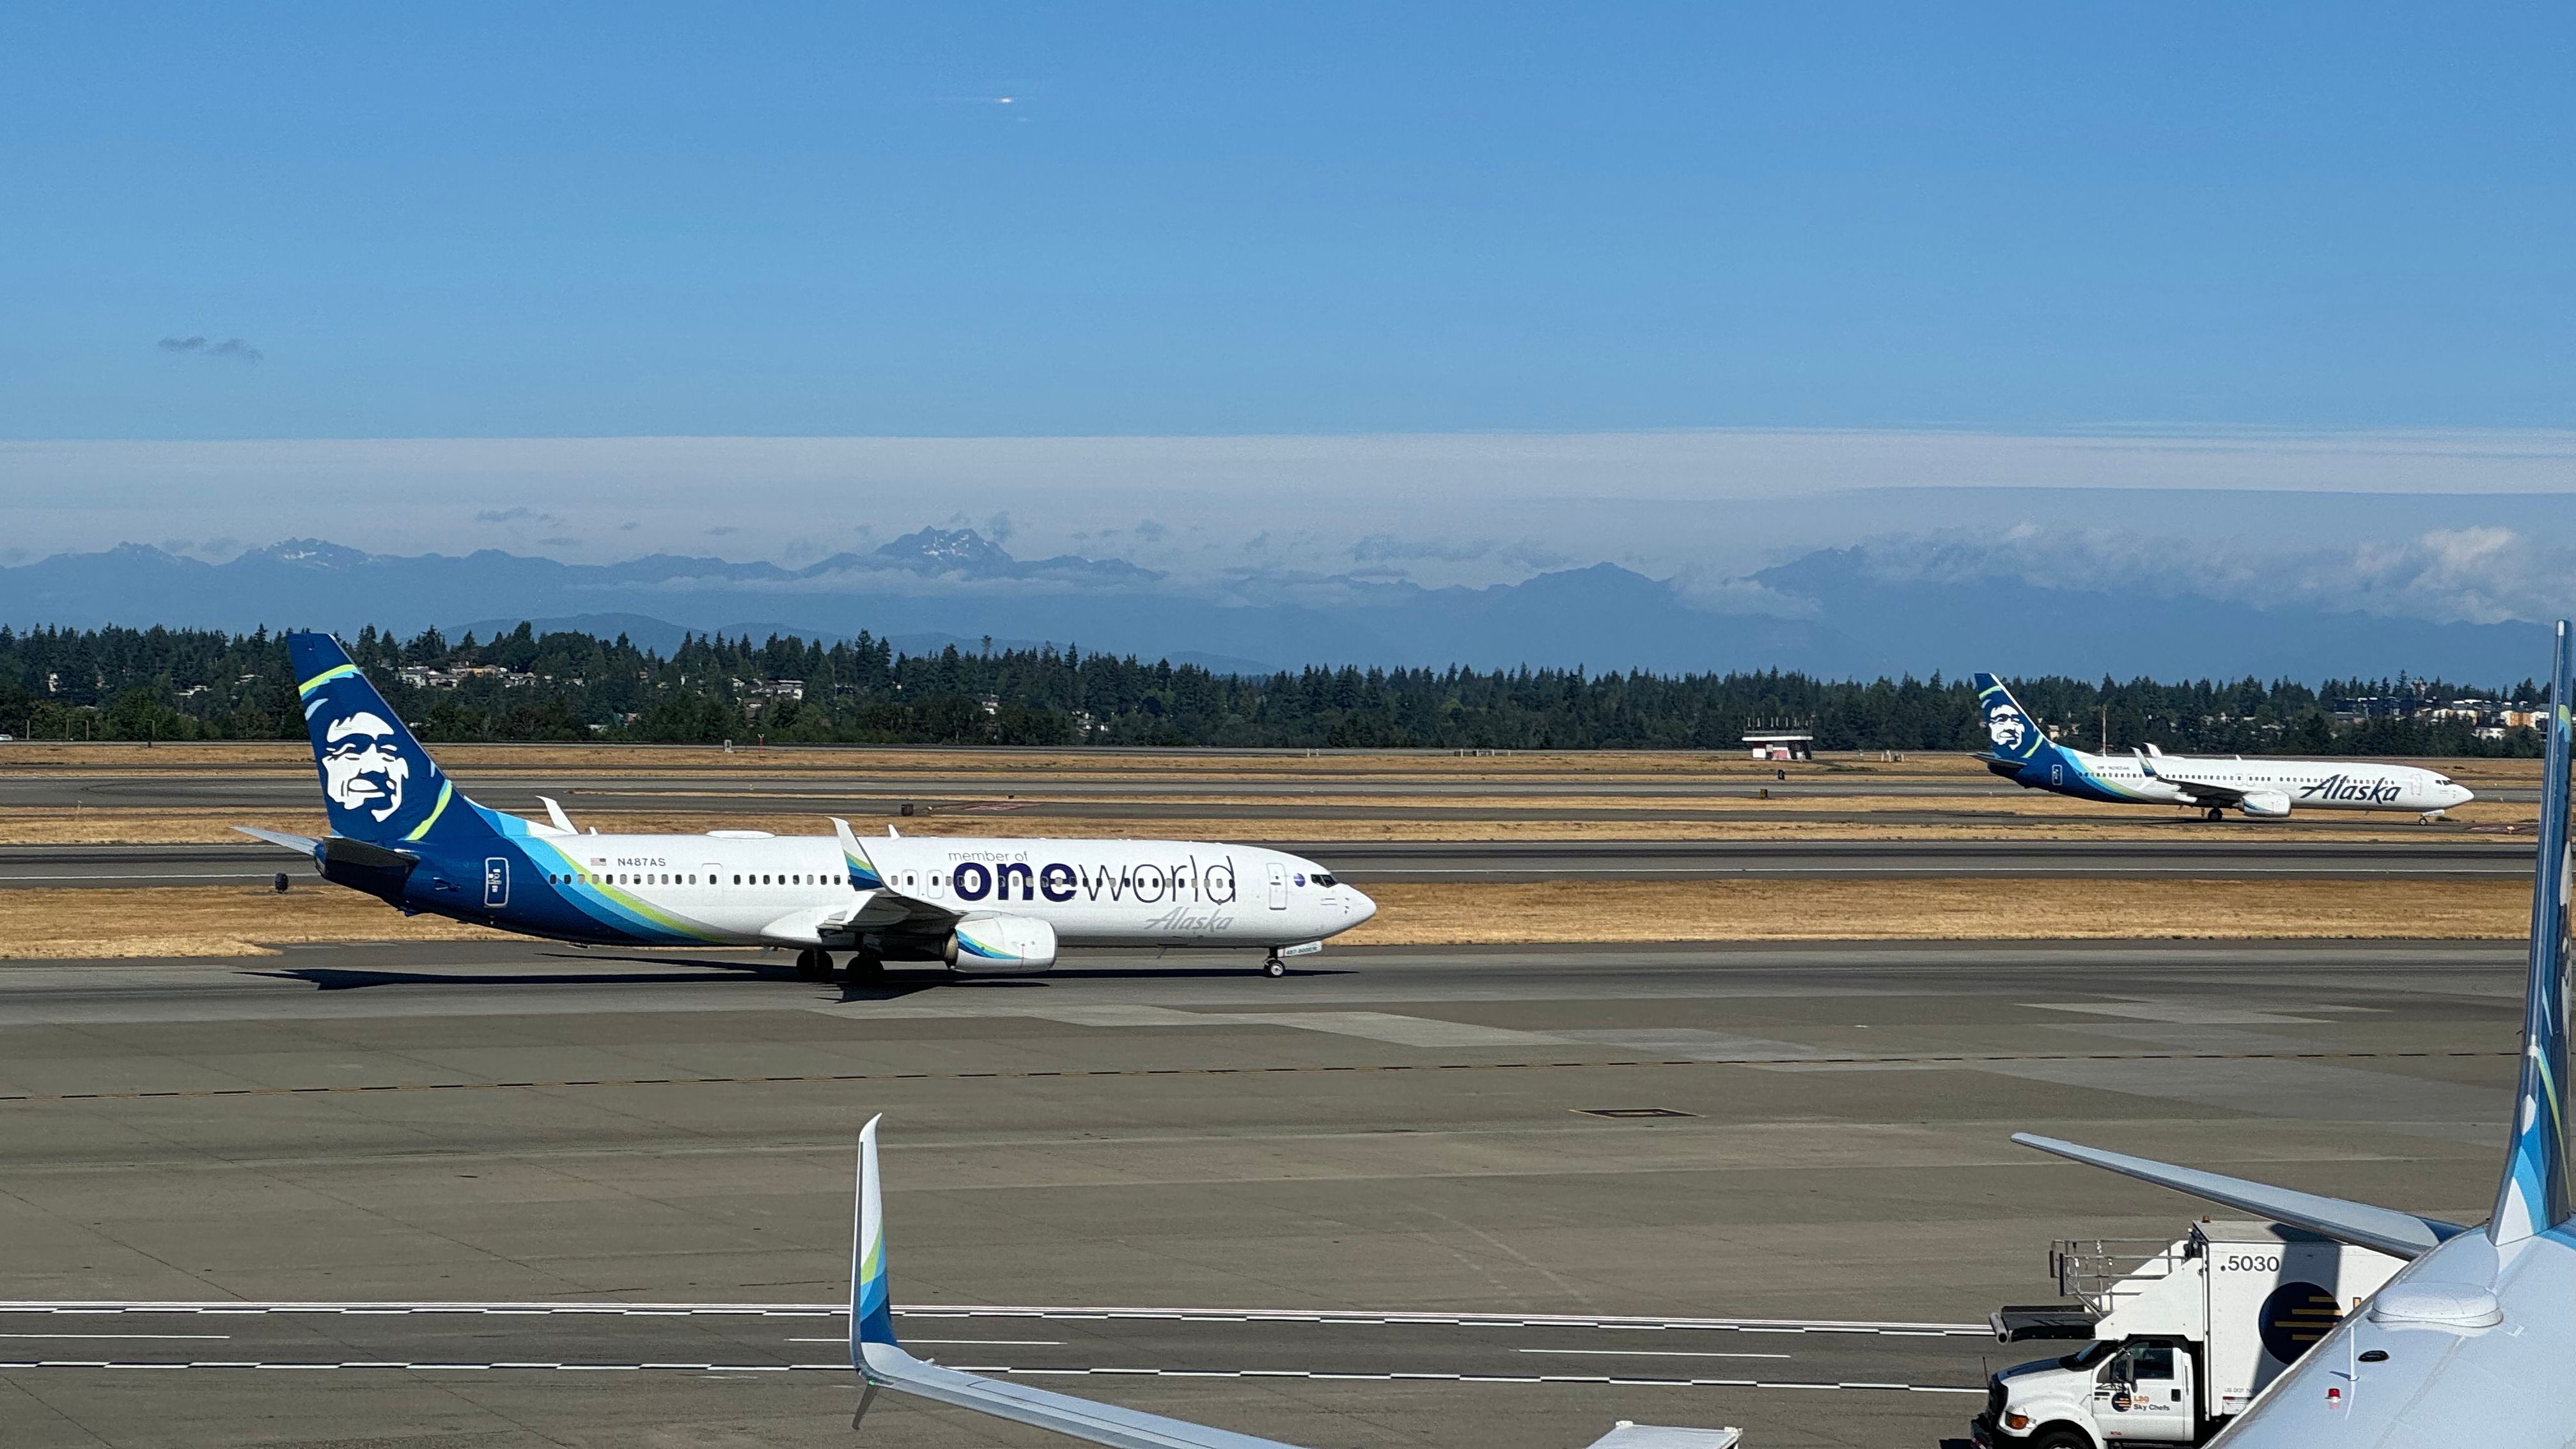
2264	789
2469	1343
403	832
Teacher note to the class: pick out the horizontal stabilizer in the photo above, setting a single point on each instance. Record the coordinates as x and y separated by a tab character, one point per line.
1656	1436
2380	1229
301	844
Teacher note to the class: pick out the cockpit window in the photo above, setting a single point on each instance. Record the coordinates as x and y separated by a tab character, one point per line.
1322	879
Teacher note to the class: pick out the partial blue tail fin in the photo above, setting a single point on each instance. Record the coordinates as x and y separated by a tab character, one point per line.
871	1298
2017	737
378	784
2534	1195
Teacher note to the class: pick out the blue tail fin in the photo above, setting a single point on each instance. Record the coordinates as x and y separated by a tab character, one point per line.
2534	1195
871	1302
2017	737
378	784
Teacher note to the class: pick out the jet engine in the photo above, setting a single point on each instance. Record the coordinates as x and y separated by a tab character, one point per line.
992	943
2264	804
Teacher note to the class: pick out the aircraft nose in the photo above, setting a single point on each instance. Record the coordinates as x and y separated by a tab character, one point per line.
2462	794
1361	906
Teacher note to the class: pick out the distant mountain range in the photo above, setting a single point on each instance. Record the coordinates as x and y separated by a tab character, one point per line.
1834	612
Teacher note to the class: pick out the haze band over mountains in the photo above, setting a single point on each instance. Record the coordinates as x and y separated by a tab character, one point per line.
1836	613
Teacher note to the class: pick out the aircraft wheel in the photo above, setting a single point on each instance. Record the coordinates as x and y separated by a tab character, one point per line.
2215	814
814	964
1274	968
867	969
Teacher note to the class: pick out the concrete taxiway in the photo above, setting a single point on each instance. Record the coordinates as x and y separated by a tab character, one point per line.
1406	1196
1471	862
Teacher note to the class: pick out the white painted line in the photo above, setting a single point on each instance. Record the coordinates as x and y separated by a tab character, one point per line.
959	1342
1647	1353
1331	1317
58	1337
1317	1376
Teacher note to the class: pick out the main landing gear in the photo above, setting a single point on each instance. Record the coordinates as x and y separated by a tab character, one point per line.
867	968
2215	814
814	964
1273	967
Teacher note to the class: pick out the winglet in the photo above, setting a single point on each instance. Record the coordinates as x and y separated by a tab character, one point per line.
2384	1230
554	812
863	871
2533	1197
871	1299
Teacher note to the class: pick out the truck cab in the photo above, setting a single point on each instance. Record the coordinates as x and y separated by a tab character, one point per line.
2175	1339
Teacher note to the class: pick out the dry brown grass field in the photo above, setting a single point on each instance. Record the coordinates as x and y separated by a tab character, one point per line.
1211	793
236	921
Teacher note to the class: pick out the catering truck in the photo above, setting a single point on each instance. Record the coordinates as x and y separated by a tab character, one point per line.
2175	1339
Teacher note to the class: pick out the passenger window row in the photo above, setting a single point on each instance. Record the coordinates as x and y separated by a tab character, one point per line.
682	878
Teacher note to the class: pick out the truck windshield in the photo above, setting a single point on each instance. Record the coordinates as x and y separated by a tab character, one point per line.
2087	1356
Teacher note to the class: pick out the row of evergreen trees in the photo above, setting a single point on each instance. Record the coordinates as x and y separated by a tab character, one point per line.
178	684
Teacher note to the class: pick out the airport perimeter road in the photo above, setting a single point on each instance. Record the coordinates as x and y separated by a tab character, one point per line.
1497	862
1811	1135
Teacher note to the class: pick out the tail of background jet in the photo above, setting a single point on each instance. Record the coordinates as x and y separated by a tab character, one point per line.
2017	737
2534	1195
378	784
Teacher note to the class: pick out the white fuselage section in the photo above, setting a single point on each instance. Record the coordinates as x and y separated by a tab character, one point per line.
2306	784
751	889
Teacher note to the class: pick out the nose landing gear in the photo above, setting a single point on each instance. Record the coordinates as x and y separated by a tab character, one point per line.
1273	967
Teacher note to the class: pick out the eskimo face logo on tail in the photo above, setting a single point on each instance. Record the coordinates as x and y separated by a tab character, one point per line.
362	765
2007	727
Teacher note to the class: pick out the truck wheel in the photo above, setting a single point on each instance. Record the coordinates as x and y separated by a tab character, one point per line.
2060	1439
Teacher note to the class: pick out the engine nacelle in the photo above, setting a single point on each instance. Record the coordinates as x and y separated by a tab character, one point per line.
2265	804
992	943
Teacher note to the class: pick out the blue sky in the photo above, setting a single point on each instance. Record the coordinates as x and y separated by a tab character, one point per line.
544	221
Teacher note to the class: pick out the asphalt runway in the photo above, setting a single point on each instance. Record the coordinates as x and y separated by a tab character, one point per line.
366	1193
1501	862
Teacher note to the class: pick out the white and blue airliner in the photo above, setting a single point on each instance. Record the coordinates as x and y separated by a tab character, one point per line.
403	832
2259	788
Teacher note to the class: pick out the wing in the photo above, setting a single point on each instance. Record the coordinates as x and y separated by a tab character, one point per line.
2202	792
884	905
2384	1230
883	1364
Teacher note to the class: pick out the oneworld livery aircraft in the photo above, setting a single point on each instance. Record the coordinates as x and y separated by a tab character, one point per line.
883	1363
403	832
2262	789
2469	1344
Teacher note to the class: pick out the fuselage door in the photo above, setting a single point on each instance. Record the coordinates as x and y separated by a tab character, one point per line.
1278	886
496	882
